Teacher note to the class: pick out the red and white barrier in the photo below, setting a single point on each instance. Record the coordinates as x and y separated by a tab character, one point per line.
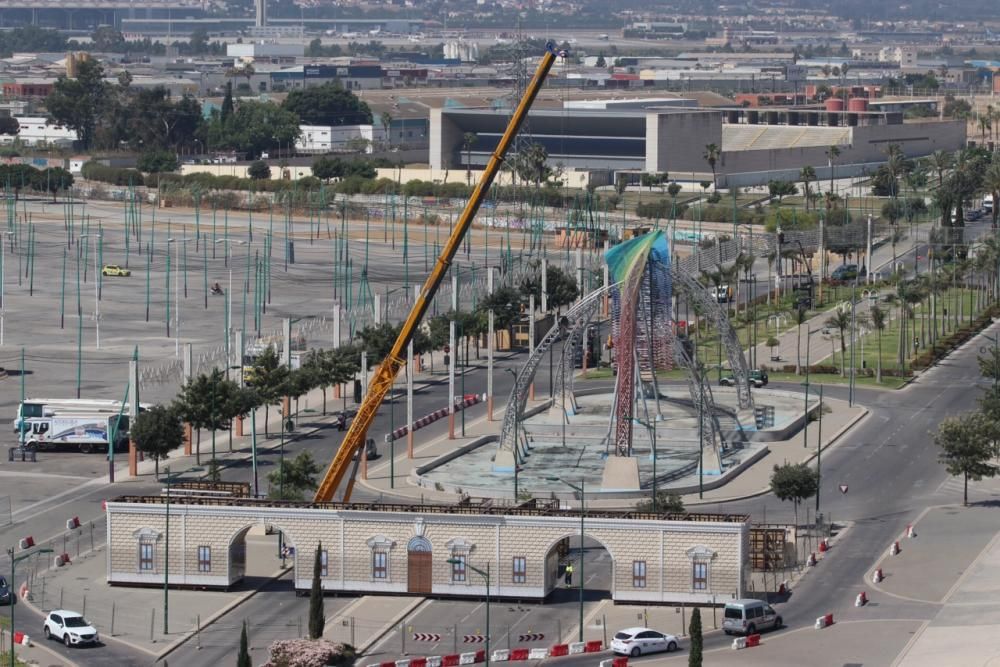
501	655
460	404
575	648
877	575
519	654
910	532
21	638
538	654
861	600
784	587
824	621
894	549
595	646
753	640
619	661
26	543
73	523
812	560
559	650
434	661
739	643
23	592
824	545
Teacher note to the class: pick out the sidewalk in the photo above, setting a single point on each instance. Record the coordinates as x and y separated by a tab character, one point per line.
36	653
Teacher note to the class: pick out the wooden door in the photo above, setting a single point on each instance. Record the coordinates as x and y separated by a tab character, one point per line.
419	569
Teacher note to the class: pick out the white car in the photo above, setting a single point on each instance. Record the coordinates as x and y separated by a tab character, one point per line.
69	627
640	641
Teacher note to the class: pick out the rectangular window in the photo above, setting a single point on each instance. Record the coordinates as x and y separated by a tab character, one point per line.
323	563
204	559
380	565
638	574
519	574
146	556
700	576
458	568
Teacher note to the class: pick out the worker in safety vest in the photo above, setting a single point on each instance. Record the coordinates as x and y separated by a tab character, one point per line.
569	574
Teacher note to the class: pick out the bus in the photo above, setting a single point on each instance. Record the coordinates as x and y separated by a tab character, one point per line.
53	407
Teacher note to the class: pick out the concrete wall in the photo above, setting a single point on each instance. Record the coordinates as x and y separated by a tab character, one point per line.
445	139
669	549
570	179
675	141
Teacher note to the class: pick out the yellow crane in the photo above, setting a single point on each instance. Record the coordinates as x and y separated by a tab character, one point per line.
385	375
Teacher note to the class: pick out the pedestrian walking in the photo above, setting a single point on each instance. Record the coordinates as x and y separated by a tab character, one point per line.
569	574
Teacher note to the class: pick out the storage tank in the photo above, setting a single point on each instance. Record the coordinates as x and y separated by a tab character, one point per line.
835	104
857	104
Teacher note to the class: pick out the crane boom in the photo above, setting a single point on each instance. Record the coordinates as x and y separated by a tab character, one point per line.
383	378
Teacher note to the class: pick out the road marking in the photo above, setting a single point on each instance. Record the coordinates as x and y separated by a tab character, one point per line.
909	644
968	570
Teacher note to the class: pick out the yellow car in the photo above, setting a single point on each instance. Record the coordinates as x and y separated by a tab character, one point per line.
115	270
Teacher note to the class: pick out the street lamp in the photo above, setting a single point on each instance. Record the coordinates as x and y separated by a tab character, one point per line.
583	511
177	292
14	560
229	295
3	272
485	575
97	299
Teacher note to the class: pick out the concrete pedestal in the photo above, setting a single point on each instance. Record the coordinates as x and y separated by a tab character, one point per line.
621	473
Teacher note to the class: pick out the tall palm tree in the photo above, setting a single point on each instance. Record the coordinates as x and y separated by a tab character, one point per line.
807	175
801	317
386	120
832	153
711	155
469	139
941	161
991	183
840	320
877	317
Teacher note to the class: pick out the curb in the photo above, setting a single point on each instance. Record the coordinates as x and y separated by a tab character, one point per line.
829	443
63	660
390	625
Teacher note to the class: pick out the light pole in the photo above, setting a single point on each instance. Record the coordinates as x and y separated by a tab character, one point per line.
583	512
652	429
166	555
3	273
229	296
97	299
14	560
486	576
177	293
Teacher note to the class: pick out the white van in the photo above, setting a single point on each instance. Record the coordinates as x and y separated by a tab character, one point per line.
748	617
988	203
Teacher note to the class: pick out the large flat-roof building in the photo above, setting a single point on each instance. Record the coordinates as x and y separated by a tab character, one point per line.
757	145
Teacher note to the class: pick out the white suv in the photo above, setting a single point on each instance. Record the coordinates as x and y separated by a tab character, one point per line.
69	627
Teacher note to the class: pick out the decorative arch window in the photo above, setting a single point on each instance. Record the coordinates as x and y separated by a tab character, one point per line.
146	551
701	562
419	544
380	546
460	550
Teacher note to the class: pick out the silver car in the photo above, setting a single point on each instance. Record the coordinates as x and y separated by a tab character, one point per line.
748	617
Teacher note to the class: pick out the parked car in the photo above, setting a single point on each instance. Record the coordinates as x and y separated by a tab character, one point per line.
640	641
7	596
723	293
69	627
749	617
845	272
758	379
115	270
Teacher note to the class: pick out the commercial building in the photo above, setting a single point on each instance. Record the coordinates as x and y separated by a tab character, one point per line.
37	130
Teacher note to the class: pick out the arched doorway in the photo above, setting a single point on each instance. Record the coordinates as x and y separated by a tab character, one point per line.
592	564
256	553
419	565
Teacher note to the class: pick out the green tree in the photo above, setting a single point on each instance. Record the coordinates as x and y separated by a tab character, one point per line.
505	302
317	616
259	170
329	104
107	38
781	189
807	175
156	432
966	444
228	109
209	401
832	153
243	657
469	140
270	379
795	482
601	62
79	103
530	164
666	501
255	127
694	631
878	318
9	125
150	118
158	161
840	320
377	341
331	367
292	479
711	155
989	364
560	285
198	43
801	317
326	168
52	179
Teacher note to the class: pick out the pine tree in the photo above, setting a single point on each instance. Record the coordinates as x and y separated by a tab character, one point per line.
227	104
694	630
243	658
317	618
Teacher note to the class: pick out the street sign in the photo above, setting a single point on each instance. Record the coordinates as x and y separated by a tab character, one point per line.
843	488
531	637
474	639
426	637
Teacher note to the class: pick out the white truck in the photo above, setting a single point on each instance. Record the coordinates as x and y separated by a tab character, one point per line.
86	432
